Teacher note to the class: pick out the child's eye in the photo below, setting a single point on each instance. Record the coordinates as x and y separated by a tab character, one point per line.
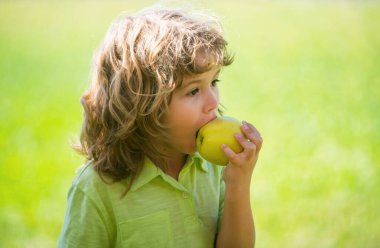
215	82
193	92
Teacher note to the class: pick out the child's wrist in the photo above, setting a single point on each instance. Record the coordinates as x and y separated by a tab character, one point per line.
238	191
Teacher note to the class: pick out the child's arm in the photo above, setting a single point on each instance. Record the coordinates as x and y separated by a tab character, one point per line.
237	228
85	224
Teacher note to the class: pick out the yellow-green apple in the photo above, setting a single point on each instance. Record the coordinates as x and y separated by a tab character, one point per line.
212	135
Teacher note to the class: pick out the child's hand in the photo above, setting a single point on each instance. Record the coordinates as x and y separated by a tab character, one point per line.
238	229
240	167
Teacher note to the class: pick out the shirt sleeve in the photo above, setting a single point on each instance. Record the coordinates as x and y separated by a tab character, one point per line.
84	224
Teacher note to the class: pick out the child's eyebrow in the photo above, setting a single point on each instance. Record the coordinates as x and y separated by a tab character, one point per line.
191	82
197	80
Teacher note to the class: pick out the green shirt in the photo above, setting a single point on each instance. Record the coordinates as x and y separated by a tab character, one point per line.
158	211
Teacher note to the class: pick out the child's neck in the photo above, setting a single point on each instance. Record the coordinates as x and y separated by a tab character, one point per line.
174	165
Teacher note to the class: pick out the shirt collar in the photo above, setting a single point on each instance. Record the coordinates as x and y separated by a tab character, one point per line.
198	161
150	171
147	174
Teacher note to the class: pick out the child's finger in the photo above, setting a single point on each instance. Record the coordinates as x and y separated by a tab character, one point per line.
249	147
252	134
231	155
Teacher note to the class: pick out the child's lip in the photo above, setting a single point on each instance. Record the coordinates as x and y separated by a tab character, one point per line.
197	132
212	118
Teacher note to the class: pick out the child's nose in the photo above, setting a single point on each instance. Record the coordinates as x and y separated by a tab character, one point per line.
212	101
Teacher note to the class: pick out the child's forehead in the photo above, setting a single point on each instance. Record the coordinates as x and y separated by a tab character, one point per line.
199	77
205	61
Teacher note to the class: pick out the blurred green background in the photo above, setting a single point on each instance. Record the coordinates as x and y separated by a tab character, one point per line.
307	74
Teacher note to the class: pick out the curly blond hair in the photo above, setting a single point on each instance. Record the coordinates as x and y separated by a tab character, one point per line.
140	62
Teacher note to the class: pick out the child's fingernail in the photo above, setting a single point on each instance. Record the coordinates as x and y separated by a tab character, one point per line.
245	125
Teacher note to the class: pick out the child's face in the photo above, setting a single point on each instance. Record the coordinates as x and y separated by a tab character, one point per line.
193	104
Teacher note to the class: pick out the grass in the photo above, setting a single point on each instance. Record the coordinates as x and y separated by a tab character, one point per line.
306	74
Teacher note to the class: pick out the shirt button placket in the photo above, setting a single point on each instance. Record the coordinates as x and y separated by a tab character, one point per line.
185	195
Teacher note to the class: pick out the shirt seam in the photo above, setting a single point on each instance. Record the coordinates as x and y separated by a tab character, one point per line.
98	210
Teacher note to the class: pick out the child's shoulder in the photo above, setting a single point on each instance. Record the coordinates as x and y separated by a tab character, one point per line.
88	180
86	174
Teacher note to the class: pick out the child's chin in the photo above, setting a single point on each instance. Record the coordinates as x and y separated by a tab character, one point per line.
192	150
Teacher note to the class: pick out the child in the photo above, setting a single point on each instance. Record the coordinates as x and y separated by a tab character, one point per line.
154	86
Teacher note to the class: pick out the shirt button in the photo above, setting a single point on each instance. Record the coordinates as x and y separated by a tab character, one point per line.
185	195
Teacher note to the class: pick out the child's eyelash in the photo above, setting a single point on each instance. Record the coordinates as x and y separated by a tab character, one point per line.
215	82
193	92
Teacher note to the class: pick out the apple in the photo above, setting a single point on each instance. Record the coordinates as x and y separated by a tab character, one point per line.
213	134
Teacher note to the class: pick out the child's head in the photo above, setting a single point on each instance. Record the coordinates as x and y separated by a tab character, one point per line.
141	61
